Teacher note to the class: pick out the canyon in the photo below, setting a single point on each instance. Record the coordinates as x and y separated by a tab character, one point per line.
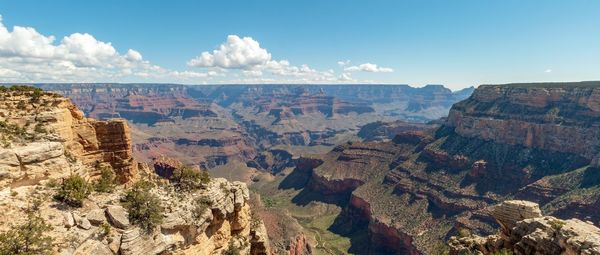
423	186
362	169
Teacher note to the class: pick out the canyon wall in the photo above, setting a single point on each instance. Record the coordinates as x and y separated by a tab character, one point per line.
558	117
536	142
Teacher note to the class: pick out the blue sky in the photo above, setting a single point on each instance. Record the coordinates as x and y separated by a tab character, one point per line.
457	43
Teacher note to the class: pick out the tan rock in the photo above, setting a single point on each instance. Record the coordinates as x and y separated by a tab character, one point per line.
92	247
118	216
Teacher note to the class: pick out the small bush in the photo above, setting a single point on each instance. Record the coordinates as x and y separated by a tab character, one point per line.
106	183
144	207
557	224
73	191
200	205
188	179
232	250
105	230
28	238
463	232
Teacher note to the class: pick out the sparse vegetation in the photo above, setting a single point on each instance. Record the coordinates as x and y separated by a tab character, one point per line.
557	224
29	238
463	232
73	191
200	206
440	248
70	157
144	208
232	250
188	179
268	202
12	131
106	183
105	231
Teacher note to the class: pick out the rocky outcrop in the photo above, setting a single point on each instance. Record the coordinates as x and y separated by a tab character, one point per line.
51	132
524	230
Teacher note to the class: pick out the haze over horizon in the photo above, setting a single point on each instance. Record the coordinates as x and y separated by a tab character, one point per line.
458	44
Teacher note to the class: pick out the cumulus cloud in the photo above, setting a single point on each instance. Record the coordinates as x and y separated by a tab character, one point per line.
26	55
29	56
368	67
246	54
548	71
236	52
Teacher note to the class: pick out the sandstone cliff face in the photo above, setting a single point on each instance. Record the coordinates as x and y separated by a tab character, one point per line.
559	117
524	230
52	132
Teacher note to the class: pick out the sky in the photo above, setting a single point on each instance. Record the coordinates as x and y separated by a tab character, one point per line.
457	43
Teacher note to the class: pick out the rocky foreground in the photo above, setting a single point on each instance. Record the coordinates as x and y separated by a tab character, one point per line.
524	230
47	142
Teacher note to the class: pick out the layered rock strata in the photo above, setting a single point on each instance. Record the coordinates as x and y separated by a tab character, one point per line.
50	131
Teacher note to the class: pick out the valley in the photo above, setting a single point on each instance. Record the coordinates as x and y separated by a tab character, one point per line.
331	177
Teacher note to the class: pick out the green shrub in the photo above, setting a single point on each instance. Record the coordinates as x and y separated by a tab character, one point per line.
106	183
557	224
28	238
200	205
188	179
105	230
73	191
463	232
144	207
232	250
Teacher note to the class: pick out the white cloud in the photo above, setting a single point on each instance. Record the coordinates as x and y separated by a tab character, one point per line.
368	67
548	71
133	55
345	77
29	56
343	63
236	52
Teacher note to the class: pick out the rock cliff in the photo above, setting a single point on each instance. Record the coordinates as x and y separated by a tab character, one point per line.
45	138
41	132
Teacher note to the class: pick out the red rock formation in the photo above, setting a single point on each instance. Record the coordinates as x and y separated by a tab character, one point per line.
561	117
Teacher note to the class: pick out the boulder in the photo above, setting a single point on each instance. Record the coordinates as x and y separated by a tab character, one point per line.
39	151
118	216
97	216
68	220
508	213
